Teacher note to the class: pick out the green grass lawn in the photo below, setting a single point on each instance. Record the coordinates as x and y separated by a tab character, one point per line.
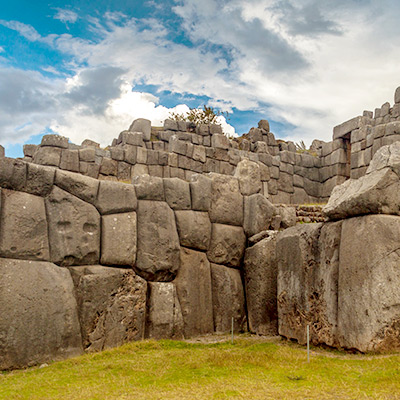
251	368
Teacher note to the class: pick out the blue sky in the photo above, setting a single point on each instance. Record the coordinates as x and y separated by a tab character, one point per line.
87	69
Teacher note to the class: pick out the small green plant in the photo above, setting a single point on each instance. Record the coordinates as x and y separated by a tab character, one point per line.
205	115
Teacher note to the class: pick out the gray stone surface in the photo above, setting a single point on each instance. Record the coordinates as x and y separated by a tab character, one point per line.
39	179
47	156
228	299
177	193
55	141
200	190
375	193
70	160
297	256
226	200
263	124
158	242
74	229
260	278
288	216
369	279
249	176
111	305
149	187
227	245
386	157
141	125
80	186
258	214
164	314
115	197
38	314
118	239
193	285
23	226
194	229
12	173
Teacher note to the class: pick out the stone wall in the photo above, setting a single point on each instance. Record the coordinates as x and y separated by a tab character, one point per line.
87	264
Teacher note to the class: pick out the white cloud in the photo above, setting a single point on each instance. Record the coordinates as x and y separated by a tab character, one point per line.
66	16
311	64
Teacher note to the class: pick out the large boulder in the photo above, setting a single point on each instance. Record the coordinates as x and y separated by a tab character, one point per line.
23	226
164	314
115	197
193	285
158	242
226	200
249	176
111	305
194	228
228	299
369	281
74	229
258	214
375	193
141	125
297	256
38	314
118	239
260	277
79	185
227	245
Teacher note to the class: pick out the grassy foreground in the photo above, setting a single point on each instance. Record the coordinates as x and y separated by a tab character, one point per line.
249	369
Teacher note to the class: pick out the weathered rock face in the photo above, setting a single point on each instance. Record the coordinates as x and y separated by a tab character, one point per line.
177	193
260	277
375	193
194	228
200	189
115	197
227	245
23	226
74	229
149	187
158	241
193	285
164	315
248	174
258	214
38	314
369	279
297	254
226	200
228	299
111	305
118	239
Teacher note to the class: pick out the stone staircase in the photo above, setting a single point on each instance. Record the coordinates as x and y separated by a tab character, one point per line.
309	213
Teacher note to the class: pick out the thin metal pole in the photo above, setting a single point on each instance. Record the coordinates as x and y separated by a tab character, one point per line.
232	330
308	343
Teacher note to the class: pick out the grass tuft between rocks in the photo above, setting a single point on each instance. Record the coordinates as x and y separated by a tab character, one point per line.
251	368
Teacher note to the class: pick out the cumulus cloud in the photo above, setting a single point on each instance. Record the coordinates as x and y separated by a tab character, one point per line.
66	16
308	64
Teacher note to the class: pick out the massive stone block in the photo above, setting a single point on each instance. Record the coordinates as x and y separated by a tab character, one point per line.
39	179
80	186
200	189
258	214
369	279
111	305
375	193
149	187
115	197
23	226
158	241
118	239
249	176
194	229
164	314
227	245
74	229
297	254
38	314
12	173
193	285
260	277
226	200
141	125
177	193
228	299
